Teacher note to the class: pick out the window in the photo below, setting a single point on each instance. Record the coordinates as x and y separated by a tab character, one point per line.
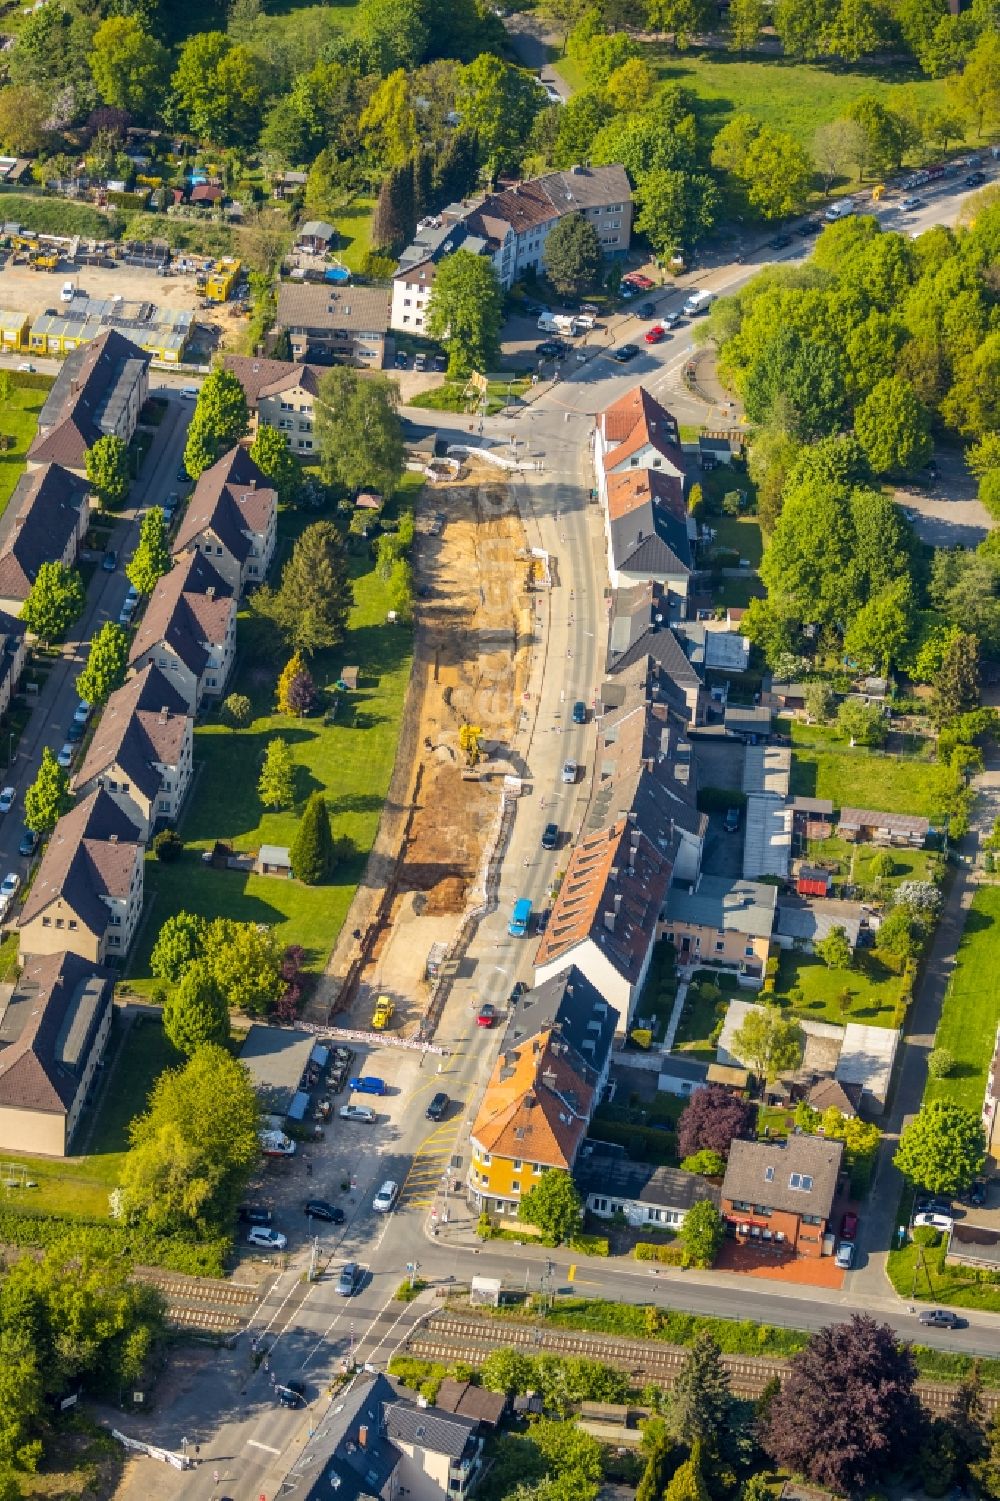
164	805
288	406
719	945
600	1205
801	1181
46	922
769	1175
518	1165
72	925
748	951
515	1187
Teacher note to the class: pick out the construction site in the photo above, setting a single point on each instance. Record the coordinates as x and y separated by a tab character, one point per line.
473	637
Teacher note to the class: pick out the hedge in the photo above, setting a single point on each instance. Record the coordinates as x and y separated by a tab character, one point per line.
198	1258
590	1245
643	1143
670	1254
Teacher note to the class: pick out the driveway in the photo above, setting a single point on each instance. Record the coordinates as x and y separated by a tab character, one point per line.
947	513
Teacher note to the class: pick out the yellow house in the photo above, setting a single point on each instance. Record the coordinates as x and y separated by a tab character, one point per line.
724	922
15	329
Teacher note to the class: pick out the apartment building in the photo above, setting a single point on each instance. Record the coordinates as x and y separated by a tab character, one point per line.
100	389
280	394
188	631
232	519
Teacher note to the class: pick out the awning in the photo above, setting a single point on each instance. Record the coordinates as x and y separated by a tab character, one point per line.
300	1104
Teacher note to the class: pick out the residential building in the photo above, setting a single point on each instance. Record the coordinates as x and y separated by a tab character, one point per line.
232	519
639	630
636	433
280	394
801	923
831	1094
375	1445
547	1082
645	771
605	916
648	1197
681	1076
44	522
867	1059
722	921
712	646
864	824
54	1027
141	751
516	221
475	1402
782	1192
414	277
188	630
100	389
87	893
12	653
648	530
335	325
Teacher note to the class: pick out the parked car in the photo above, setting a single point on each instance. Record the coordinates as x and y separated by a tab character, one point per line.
110	560
420	362
579	712
266	1238
183	478
731	822
75	733
255	1214
401	360
319	1209
637	279
943	1222
927	1204
487	1014
975	179
9	886
65	756
28	842
845	1255
82	712
368	1084
550	836
189	393
656	334
568	772
939	1318
645	310
780	241
276	1144
977	1193
625	353
438	1106
386	1197
550	347
357	1113
7	797
910	204
350	1275
292	1394
849	1226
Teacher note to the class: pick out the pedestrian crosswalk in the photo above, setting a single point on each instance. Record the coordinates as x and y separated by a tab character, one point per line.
430	1163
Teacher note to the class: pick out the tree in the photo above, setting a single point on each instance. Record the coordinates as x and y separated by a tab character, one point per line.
106	665
221	418
863	724
706	1163
312	848
219	88
676	208
553	1205
195	1012
767	1043
701	1235
167	846
940	1063
24	118
296	689
311	605
55	600
687	1483
630	86
276	784
274	458
882	866
465	311
893	427
238	710
846	1413
882	139
395	215
106	464
394	33
701	1400
685	18
820	702
180	941
358	430
48	797
836	145
746	17
246	961
193	1151
834	949
976	90
942	1148
880	631
773	169
497	103
956	683
129	66
712	1120
572	254
151	559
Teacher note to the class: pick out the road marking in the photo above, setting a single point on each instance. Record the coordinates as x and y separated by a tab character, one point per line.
255	1443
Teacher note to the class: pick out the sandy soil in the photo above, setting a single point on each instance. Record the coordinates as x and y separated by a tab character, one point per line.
32	292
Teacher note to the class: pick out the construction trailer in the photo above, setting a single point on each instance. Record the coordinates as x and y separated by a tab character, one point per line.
219	282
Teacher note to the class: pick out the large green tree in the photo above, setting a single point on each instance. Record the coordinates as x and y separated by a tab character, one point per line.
276	783
572	254
193	1150
701	1400
465	312
553	1205
273	457
151	559
894	428
195	1011
774	171
219	88
358	431
676	209
245	961
181	940
48	797
942	1148
312	847
106	464
701	1235
106	665
310	607
221	418
129	65
498	102
767	1043
55	601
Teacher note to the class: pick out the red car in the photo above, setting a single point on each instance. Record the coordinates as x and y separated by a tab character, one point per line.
636	279
655	335
487	1014
849	1226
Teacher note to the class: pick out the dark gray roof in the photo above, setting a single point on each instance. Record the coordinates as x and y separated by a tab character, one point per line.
676	1066
798	1175
571	1005
85	402
442	1432
727	905
616	1177
747	717
43	514
334	1462
47	1031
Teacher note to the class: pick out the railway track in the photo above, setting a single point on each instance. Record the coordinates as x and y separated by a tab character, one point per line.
450	1337
202	1303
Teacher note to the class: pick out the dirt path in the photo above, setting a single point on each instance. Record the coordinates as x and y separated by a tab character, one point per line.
471	647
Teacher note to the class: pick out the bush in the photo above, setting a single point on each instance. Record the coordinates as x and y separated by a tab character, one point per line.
168	846
940	1063
669	1254
926	1236
198	1258
590	1245
407	1290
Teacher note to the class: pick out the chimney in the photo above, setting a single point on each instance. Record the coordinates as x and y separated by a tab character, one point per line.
112	838
614	873
253	484
618	901
210	592
609	921
164	714
549	1078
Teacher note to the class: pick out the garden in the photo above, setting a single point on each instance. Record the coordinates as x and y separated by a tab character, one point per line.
869	992
825	764
19	410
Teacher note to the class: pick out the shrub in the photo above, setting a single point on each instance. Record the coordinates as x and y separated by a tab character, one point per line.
710	1164
940	1063
926	1236
168	846
590	1245
669	1254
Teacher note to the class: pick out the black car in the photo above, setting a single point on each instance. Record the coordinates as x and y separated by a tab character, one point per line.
436	1109
183	478
645	310
549	347
975	179
520	986
808	228
939	1318
977	1193
927	1205
29	843
625	353
75	732
255	1214
780	242
110	560
292	1394
319	1209
550	836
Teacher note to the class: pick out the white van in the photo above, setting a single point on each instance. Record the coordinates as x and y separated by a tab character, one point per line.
698	302
68	292
557	323
842	209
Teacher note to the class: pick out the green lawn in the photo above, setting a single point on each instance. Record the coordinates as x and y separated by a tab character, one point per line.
971	1007
451	397
793	97
739	534
350	760
702	1011
875	989
18	420
354	230
932	1280
853	862
825	765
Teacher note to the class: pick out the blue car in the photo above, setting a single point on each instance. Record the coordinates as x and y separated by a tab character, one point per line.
368	1084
